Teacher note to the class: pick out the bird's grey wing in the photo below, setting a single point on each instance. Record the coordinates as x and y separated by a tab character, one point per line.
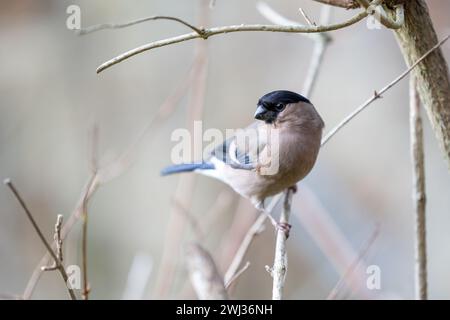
242	149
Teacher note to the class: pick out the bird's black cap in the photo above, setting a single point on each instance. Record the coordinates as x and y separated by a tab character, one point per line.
281	96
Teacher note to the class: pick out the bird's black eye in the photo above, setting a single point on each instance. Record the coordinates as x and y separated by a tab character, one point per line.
279	106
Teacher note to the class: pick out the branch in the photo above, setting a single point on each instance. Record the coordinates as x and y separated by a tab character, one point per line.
237	275
377	94
205	278
280	264
347	4
104	26
58	263
59	242
433	81
206	33
419	195
84	216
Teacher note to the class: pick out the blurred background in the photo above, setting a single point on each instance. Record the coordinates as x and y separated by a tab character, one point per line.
51	98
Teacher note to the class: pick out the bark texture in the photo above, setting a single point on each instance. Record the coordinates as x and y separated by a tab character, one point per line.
415	38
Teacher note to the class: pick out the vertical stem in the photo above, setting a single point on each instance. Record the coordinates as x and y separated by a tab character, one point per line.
84	251
419	195
280	264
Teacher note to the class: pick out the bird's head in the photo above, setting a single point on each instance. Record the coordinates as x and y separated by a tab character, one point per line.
272	104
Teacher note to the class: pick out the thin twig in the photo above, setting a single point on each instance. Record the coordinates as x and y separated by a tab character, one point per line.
351	269
321	42
377	94
229	29
419	194
305	16
73	218
104	26
59	242
347	4
237	275
84	206
58	263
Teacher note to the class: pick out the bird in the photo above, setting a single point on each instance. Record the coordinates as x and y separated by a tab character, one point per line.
271	155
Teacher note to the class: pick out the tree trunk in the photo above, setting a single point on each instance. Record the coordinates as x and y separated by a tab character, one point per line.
415	38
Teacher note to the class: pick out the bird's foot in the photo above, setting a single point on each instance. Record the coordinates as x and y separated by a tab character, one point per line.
293	188
281	226
284	227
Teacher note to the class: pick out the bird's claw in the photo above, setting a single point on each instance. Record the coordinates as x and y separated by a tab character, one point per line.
284	227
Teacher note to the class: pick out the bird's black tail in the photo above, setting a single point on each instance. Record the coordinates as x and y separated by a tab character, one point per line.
186	167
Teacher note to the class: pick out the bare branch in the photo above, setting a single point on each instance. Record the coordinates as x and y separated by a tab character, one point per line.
419	194
347	4
229	29
305	16
84	216
104	26
205	278
280	264
237	275
415	38
58	263
378	94
58	241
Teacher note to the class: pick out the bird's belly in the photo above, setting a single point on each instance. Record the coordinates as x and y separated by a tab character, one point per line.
251	184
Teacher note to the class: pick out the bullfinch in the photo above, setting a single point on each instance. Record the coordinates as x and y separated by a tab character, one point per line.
273	154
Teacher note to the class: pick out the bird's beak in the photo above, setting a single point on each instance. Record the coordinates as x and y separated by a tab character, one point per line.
260	113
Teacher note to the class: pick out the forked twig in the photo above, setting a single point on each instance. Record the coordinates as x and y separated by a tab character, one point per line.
58	264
